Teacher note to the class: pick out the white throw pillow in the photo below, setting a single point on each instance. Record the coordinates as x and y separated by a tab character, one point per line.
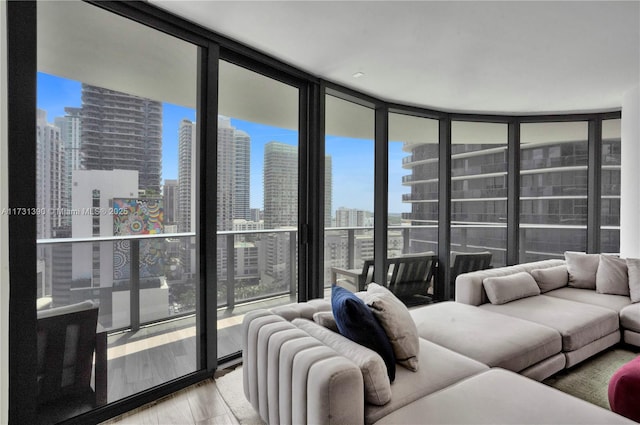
633	266
504	289
612	277
551	278
397	323
582	269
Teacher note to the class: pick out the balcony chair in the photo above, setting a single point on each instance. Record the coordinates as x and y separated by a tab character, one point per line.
465	262
67	341
411	277
408	277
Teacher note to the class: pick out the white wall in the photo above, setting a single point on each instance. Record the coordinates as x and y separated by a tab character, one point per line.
4	224
630	175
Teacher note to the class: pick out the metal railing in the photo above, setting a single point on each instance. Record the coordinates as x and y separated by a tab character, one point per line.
236	287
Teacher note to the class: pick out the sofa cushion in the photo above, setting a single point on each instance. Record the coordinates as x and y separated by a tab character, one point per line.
439	368
630	317
612	277
501	397
396	321
326	319
582	269
374	372
485	336
356	321
589	296
578	323
633	268
504	289
551	278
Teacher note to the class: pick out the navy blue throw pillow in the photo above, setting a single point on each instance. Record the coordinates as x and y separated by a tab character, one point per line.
356	321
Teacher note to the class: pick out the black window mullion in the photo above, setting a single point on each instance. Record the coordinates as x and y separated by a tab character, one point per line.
206	221
315	190
513	193
443	290
305	197
594	179
21	117
381	195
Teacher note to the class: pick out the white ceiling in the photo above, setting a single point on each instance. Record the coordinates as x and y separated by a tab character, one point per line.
487	57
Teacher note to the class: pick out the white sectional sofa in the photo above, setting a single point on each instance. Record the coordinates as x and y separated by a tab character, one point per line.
475	359
587	320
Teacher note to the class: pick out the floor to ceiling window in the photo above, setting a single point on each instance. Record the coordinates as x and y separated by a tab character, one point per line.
257	197
553	189
413	185
349	190
115	188
610	189
479	189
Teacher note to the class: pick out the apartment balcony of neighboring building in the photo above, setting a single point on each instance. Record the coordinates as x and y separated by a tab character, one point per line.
411	180
412	161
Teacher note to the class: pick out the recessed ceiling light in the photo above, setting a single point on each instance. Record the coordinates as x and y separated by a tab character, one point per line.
358	75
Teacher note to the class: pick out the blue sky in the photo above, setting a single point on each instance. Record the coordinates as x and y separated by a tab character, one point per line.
353	159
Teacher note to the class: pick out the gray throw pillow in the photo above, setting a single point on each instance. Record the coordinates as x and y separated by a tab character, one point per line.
551	278
612	277
582	269
503	289
633	265
326	319
397	323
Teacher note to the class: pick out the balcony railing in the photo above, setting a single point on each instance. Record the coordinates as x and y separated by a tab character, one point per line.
252	265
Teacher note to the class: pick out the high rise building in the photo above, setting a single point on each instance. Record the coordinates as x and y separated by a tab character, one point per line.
185	215
70	133
242	173
255	214
124	132
234	149
50	177
553	191
280	185
226	174
328	190
170	197
186	211
352	217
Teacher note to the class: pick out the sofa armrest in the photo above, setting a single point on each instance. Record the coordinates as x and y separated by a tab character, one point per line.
290	377
336	393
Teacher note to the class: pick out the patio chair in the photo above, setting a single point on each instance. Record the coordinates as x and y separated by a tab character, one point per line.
465	262
408	277
411	277
67	341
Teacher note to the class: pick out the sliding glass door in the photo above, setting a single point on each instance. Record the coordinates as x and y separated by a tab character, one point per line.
413	185
116	200
553	189
479	189
349	191
257	198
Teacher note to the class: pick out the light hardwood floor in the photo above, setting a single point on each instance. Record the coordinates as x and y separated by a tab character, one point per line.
200	404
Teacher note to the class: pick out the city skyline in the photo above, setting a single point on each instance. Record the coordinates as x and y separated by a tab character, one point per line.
352	159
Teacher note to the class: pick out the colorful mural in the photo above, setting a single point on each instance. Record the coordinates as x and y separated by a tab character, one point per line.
138	217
